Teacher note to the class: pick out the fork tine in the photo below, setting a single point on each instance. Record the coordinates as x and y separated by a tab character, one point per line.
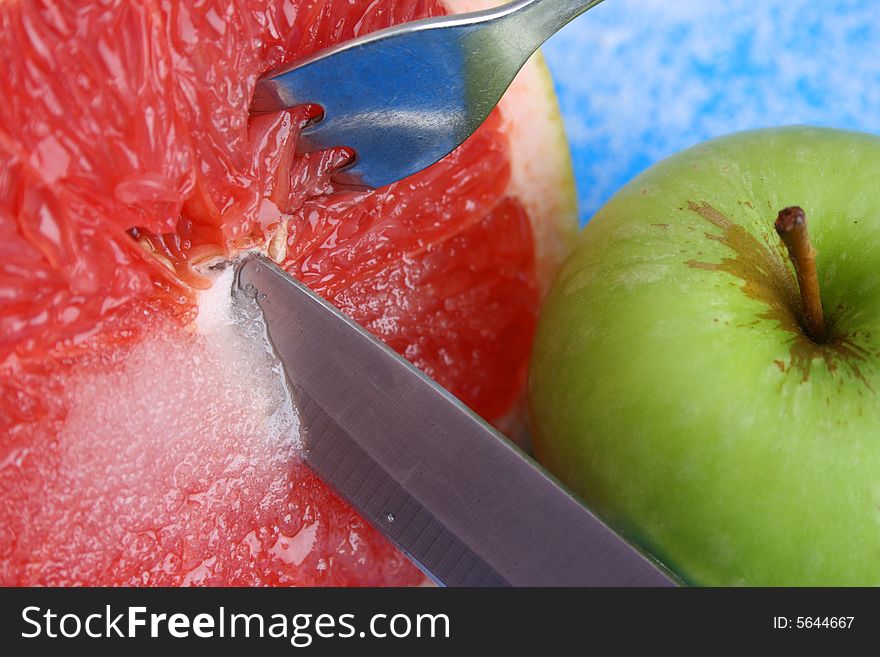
406	143
397	124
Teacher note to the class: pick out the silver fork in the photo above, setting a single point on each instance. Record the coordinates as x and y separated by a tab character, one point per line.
404	97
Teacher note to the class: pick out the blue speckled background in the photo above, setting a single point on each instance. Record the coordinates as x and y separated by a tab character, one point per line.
639	80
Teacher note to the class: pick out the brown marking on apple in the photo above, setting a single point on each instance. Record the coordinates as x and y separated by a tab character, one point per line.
768	277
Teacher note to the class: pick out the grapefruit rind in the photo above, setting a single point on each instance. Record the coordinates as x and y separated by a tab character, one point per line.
541	169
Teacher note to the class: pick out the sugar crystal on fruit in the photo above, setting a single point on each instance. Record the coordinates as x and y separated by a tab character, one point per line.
180	440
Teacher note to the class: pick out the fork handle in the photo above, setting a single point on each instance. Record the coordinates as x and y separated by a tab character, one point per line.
541	19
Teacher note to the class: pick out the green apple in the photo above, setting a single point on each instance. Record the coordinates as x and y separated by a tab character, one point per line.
673	384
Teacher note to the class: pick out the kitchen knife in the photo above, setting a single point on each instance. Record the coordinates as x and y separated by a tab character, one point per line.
460	500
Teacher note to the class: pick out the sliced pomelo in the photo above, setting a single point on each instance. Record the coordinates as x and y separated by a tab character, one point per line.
145	439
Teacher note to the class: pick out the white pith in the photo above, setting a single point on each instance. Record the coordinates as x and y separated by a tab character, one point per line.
541	173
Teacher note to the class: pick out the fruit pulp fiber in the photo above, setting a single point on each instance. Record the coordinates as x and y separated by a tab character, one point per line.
129	454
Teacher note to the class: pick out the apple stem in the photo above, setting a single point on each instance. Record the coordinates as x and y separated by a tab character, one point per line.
791	224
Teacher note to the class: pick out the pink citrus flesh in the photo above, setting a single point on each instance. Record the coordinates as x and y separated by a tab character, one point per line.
131	451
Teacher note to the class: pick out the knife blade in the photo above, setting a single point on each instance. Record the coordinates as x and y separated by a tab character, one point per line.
464	504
